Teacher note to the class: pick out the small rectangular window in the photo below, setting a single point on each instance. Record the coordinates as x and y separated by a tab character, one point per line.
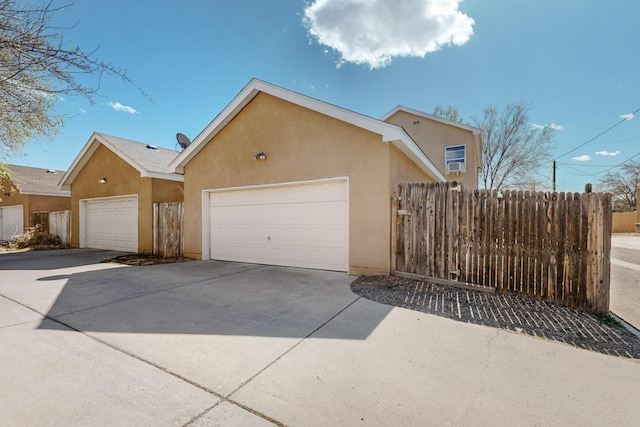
455	158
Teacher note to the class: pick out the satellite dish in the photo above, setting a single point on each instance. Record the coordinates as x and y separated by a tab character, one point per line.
183	140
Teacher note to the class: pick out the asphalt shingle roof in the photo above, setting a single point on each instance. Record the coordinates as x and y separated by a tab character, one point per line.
31	180
149	159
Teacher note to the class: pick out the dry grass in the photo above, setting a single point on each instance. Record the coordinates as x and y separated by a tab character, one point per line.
144	259
32	239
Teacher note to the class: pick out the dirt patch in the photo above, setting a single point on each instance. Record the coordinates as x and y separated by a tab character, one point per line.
144	259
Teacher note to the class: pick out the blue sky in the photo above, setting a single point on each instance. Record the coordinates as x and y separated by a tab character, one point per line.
573	60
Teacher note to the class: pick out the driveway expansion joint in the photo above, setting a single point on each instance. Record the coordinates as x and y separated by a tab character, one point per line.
293	347
220	397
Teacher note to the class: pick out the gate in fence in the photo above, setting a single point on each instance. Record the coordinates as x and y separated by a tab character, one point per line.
59	223
168	239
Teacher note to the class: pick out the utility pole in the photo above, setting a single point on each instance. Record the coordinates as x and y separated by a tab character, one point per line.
554	176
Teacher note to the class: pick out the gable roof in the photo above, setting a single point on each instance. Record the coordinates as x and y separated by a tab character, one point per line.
37	181
472	129
150	162
390	133
477	132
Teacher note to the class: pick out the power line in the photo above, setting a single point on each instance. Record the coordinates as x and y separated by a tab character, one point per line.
579	172
583	165
624	119
603	171
621	163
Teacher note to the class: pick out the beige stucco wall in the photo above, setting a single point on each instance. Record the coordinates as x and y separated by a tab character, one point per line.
122	179
32	203
403	170
432	137
300	145
164	191
624	222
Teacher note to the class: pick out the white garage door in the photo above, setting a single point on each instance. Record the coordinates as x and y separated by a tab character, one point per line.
11	221
302	225
111	223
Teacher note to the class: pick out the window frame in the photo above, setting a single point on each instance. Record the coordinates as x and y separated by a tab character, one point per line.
454	149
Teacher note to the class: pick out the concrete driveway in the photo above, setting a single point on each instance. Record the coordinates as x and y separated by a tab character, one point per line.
212	343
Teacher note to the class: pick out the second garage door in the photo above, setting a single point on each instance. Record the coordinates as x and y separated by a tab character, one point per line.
299	225
111	223
11	221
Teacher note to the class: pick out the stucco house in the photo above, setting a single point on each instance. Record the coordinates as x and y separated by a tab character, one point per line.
455	148
29	191
114	183
281	178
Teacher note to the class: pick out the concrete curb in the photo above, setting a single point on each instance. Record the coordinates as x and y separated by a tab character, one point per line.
626	324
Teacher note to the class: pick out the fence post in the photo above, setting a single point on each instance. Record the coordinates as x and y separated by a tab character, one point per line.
394	233
598	252
155	229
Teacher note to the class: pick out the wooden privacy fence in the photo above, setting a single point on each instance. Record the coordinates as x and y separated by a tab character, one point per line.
549	246
167	229
60	225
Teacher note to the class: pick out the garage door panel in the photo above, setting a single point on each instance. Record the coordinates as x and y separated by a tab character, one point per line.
11	221
112	224
282	213
285	256
272	235
285	194
302	225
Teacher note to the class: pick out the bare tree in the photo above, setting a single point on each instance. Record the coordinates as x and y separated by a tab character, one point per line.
622	184
449	113
513	149
37	67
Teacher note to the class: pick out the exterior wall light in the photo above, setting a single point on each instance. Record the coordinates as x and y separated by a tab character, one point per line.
102	180
261	156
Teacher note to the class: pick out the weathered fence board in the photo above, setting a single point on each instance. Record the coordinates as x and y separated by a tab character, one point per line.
60	225
548	246
40	220
168	238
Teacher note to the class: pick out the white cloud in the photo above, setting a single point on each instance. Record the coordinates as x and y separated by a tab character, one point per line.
628	116
553	126
583	158
608	153
372	32
124	108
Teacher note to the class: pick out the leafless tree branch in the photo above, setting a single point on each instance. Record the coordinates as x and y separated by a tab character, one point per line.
37	67
622	184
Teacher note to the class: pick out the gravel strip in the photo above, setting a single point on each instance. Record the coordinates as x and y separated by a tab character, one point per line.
514	313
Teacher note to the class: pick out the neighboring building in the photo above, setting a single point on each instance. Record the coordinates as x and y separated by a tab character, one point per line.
455	148
281	178
114	183
30	191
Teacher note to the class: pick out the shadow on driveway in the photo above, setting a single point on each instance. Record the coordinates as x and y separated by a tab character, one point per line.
53	259
210	297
